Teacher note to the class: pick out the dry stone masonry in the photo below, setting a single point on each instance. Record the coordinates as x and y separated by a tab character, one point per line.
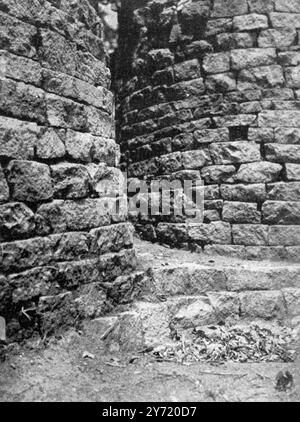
211	90
64	238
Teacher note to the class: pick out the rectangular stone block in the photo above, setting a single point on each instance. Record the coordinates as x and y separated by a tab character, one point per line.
273	253
228	8
22	101
280	37
216	232
234	152
283	153
216	63
250	235
17	138
29	181
16	221
250	22
221	82
241	213
17	36
20	68
289	58
261	77
265	305
287	135
287	20
196	159
284	235
292	75
60	216
244	193
208	136
236	120
217	174
264	135
281	212
292	171
187	70
261	6
231	41
283	191
279	118
252	57
291	6
50	144
217	26
111	238
70	181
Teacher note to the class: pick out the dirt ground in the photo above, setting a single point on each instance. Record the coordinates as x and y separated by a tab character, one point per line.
60	373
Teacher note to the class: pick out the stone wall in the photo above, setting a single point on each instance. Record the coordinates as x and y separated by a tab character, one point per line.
211	89
63	231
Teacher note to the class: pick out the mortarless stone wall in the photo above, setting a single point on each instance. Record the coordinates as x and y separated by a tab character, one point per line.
62	243
212	89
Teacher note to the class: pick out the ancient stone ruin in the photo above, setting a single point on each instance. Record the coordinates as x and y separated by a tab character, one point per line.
206	91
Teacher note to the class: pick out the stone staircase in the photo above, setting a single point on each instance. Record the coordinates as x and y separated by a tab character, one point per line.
177	291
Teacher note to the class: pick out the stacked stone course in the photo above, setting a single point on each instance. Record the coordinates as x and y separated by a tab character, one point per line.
211	90
64	238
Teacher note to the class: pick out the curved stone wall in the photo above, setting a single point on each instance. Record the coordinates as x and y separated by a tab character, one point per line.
63	231
212	89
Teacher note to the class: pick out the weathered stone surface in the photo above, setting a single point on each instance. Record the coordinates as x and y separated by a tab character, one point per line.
70	181
50	144
266	305
282	191
217	26
231	41
293	171
221	82
240	212
17	138
250	22
244	193
5	295
216	63
217	174
4	191
111	238
235	120
252	57
258	253
20	68
17	36
291	6
85	214
211	135
292	300
279	118
261	77
187	70
224	8
284	235
283	153
261	6
234	251
260	172
33	283
234	152
289	58
279	212
250	235
280	37
106	181
29	181
260	278
217	232
172	234
287	135
199	312
292	75
16	221
196	159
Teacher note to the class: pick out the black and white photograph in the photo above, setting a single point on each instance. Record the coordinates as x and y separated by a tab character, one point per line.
149	204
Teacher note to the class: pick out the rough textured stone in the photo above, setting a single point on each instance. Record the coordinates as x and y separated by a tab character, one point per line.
260	172
195	159
280	37
50	145
20	68
16	221
216	63
17	139
284	235
224	8
4	191
293	171
287	135
217	174
252	57
70	181
282	191
250	22
234	152
283	153
217	232
199	312
240	212
29	181
266	305
290	6
244	193
263	77
111	238
250	235
279	212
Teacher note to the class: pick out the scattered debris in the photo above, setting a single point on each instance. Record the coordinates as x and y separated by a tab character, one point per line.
284	381
229	344
87	355
115	363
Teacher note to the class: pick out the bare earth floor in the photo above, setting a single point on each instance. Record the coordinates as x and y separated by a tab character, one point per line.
60	373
